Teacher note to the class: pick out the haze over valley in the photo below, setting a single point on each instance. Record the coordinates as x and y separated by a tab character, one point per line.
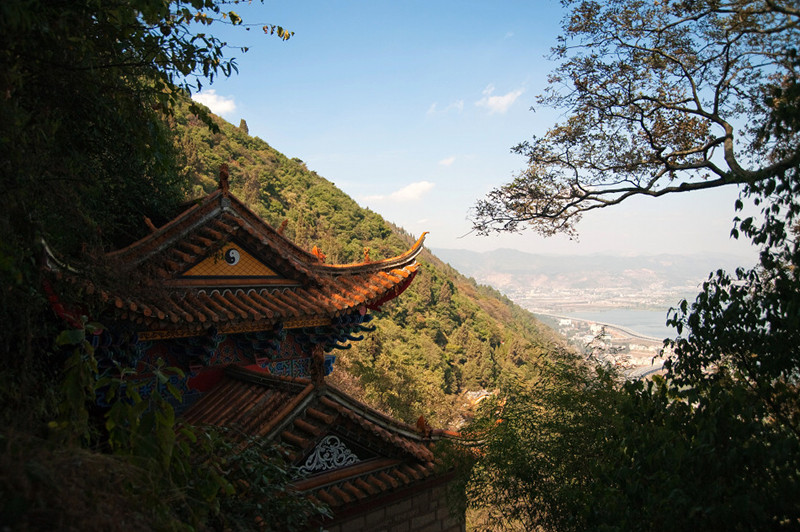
631	291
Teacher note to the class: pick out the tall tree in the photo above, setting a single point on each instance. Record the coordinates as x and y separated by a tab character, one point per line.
660	98
669	97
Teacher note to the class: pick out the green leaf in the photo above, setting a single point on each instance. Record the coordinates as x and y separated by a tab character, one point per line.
70	337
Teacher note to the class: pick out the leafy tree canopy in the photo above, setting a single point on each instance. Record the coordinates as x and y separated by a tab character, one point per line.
666	97
85	86
659	98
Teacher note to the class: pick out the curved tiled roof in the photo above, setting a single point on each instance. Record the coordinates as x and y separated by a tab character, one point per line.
299	415
297	290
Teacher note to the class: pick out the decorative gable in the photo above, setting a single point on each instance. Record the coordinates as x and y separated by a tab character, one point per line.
345	452
331	452
232	262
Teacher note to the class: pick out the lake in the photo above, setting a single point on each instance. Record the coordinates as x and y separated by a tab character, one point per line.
645	322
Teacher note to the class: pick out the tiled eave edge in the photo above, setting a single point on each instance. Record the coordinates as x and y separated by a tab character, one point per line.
373	416
232	329
251	309
344	511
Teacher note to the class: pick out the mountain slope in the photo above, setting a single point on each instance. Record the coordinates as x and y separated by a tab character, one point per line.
445	335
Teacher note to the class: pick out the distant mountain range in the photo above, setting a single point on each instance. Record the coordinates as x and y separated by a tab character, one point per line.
558	281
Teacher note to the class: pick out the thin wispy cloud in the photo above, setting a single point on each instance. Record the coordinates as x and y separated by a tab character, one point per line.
411	192
219	105
457	106
447	161
498	103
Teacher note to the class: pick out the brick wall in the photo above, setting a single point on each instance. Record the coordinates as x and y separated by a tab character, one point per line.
423	511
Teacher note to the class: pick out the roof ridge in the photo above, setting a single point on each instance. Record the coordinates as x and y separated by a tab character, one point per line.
163	231
371	414
391	263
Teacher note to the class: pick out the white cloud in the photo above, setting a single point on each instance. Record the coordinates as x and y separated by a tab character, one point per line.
411	192
448	161
457	106
498	104
219	105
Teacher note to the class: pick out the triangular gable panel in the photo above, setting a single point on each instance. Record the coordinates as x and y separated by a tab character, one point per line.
333	452
230	262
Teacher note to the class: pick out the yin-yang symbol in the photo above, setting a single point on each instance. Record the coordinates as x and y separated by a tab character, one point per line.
232	257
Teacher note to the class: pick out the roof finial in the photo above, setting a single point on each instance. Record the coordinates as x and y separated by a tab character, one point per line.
149	223
318	253
223	179
423	427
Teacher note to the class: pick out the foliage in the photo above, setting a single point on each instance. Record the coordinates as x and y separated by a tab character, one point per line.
233	484
86	158
715	444
85	153
660	98
216	478
575	450
45	486
86	85
537	440
259	497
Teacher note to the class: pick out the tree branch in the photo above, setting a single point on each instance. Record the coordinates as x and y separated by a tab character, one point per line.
650	85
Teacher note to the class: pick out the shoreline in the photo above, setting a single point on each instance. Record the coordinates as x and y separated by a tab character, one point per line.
626	330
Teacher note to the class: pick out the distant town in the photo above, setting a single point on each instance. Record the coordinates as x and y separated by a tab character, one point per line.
632	354
554	299
613	308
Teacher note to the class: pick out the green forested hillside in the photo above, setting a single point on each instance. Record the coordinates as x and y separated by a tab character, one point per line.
443	336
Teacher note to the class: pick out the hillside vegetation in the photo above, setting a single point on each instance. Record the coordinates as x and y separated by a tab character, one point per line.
443	336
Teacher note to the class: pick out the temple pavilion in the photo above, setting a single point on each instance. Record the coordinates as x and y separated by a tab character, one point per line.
255	323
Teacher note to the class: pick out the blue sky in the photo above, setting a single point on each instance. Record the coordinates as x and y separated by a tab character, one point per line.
412	108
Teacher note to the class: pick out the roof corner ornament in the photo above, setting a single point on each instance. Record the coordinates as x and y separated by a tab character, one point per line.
423	427
149	223
223	179
318	253
282	228
366	255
